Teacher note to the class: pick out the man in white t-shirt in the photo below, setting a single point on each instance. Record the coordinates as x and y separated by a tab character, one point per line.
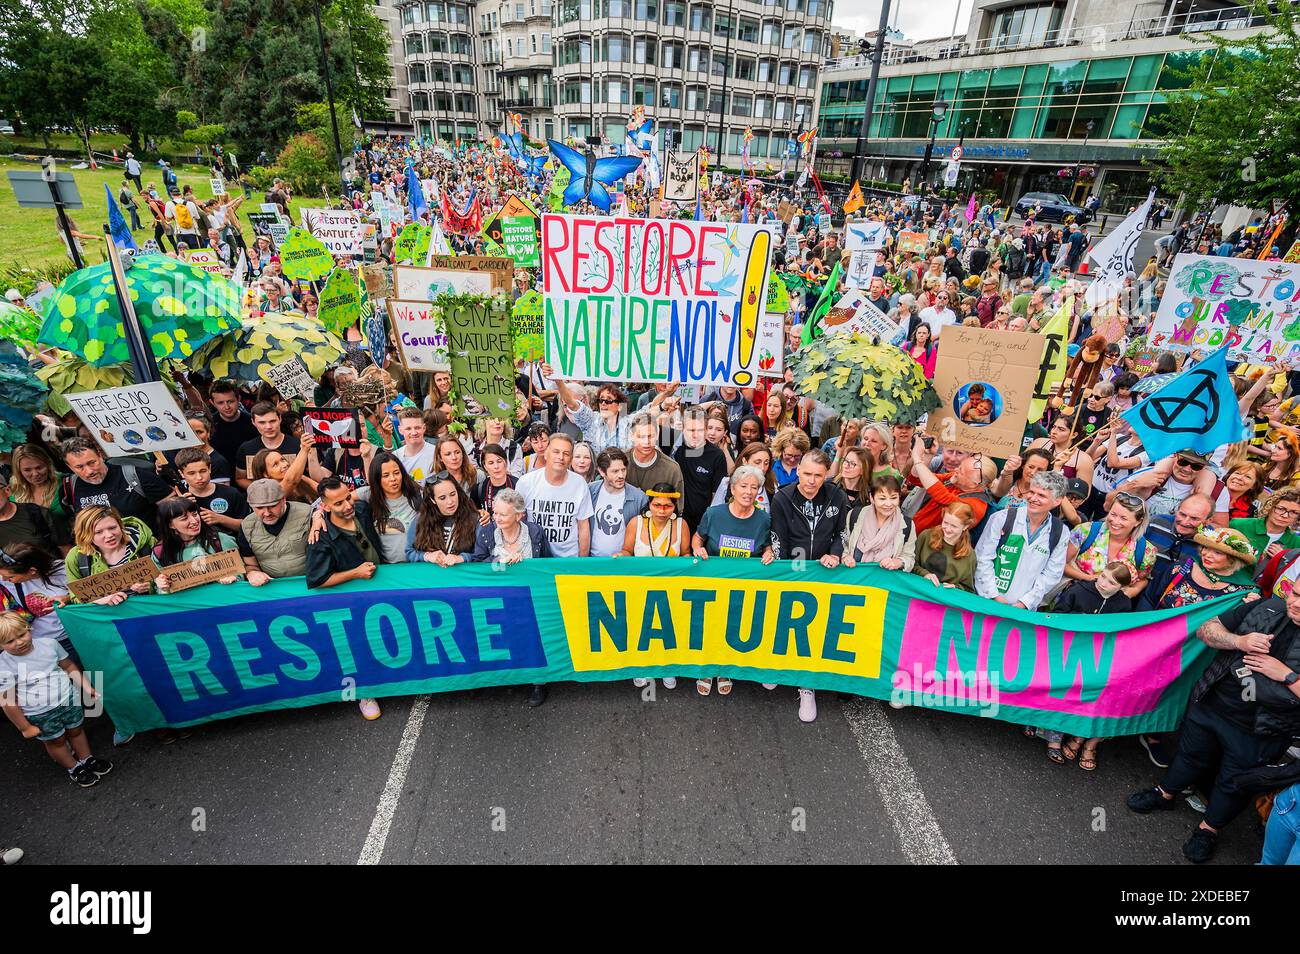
559	501
615	502
1164	494
938	314
417	456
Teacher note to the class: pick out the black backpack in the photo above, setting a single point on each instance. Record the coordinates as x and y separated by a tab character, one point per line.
1055	533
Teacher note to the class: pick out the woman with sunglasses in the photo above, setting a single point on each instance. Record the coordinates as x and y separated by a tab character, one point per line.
1273	530
446	528
1119	538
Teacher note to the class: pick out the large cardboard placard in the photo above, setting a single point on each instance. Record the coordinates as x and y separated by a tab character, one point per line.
420	334
482	355
985	381
1247	304
339	230
134	419
652	300
113	580
202	569
453	275
290	379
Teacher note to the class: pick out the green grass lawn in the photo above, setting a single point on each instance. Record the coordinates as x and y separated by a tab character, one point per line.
28	236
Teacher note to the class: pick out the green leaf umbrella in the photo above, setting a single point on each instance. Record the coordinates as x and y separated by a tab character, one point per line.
70	374
859	378
180	307
19	325
266	341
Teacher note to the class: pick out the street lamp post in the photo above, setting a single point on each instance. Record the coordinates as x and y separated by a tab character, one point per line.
859	150
937	112
1074	179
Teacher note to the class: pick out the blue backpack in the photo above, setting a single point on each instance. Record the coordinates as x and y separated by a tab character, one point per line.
1094	529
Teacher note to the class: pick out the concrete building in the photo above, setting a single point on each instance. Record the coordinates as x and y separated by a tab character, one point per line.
1045	95
704	71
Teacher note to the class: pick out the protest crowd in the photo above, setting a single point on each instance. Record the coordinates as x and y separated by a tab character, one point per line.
1081	517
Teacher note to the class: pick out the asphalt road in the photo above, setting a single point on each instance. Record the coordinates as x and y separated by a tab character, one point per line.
597	775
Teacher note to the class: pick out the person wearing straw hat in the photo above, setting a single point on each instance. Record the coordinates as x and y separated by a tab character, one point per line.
1221	565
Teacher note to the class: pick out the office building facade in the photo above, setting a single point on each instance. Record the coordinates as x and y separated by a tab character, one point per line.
1062	96
705	72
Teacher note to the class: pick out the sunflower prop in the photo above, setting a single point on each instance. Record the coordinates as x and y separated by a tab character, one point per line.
179	306
858	378
268	340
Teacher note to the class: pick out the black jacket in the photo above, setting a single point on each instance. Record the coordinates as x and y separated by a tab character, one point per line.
335	550
1081	596
805	529
1277	709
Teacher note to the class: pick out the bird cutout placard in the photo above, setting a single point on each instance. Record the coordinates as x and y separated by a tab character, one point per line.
333	426
985	382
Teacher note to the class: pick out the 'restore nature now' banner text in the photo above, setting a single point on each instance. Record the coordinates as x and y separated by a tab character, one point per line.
216	651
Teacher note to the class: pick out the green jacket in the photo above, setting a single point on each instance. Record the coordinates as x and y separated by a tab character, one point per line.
1253	529
140	542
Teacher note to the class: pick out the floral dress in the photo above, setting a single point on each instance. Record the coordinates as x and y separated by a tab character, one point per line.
1094	559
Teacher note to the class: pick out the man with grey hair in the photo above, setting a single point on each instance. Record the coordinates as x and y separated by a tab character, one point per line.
1021	552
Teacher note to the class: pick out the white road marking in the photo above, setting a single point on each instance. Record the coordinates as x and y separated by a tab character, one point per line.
909	811
373	849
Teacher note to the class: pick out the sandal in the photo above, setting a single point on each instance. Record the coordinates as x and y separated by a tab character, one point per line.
1054	753
1088	762
1029	731
705	686
724	686
1071	748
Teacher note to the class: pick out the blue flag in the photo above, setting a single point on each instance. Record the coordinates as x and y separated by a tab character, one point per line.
415	200
122	237
1196	411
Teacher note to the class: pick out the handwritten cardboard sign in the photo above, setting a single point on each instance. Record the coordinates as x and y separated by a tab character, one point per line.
985	380
290	379
133	419
114	580
202	569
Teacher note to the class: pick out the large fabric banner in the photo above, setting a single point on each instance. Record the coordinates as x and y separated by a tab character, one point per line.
217	651
1249	305
653	299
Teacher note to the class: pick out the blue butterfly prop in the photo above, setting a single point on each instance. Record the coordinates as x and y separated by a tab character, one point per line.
591	177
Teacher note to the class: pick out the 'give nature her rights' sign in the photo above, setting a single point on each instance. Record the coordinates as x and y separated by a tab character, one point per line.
218	651
631	299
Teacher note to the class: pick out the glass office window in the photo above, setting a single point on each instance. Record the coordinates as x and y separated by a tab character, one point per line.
1142	75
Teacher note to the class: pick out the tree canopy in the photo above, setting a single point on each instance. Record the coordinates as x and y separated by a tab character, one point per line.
1232	133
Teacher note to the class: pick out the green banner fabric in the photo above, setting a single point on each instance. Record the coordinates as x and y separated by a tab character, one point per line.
216	651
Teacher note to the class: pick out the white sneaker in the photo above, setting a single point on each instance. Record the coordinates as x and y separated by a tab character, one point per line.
640	682
11	856
769	686
369	709
807	705
670	682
